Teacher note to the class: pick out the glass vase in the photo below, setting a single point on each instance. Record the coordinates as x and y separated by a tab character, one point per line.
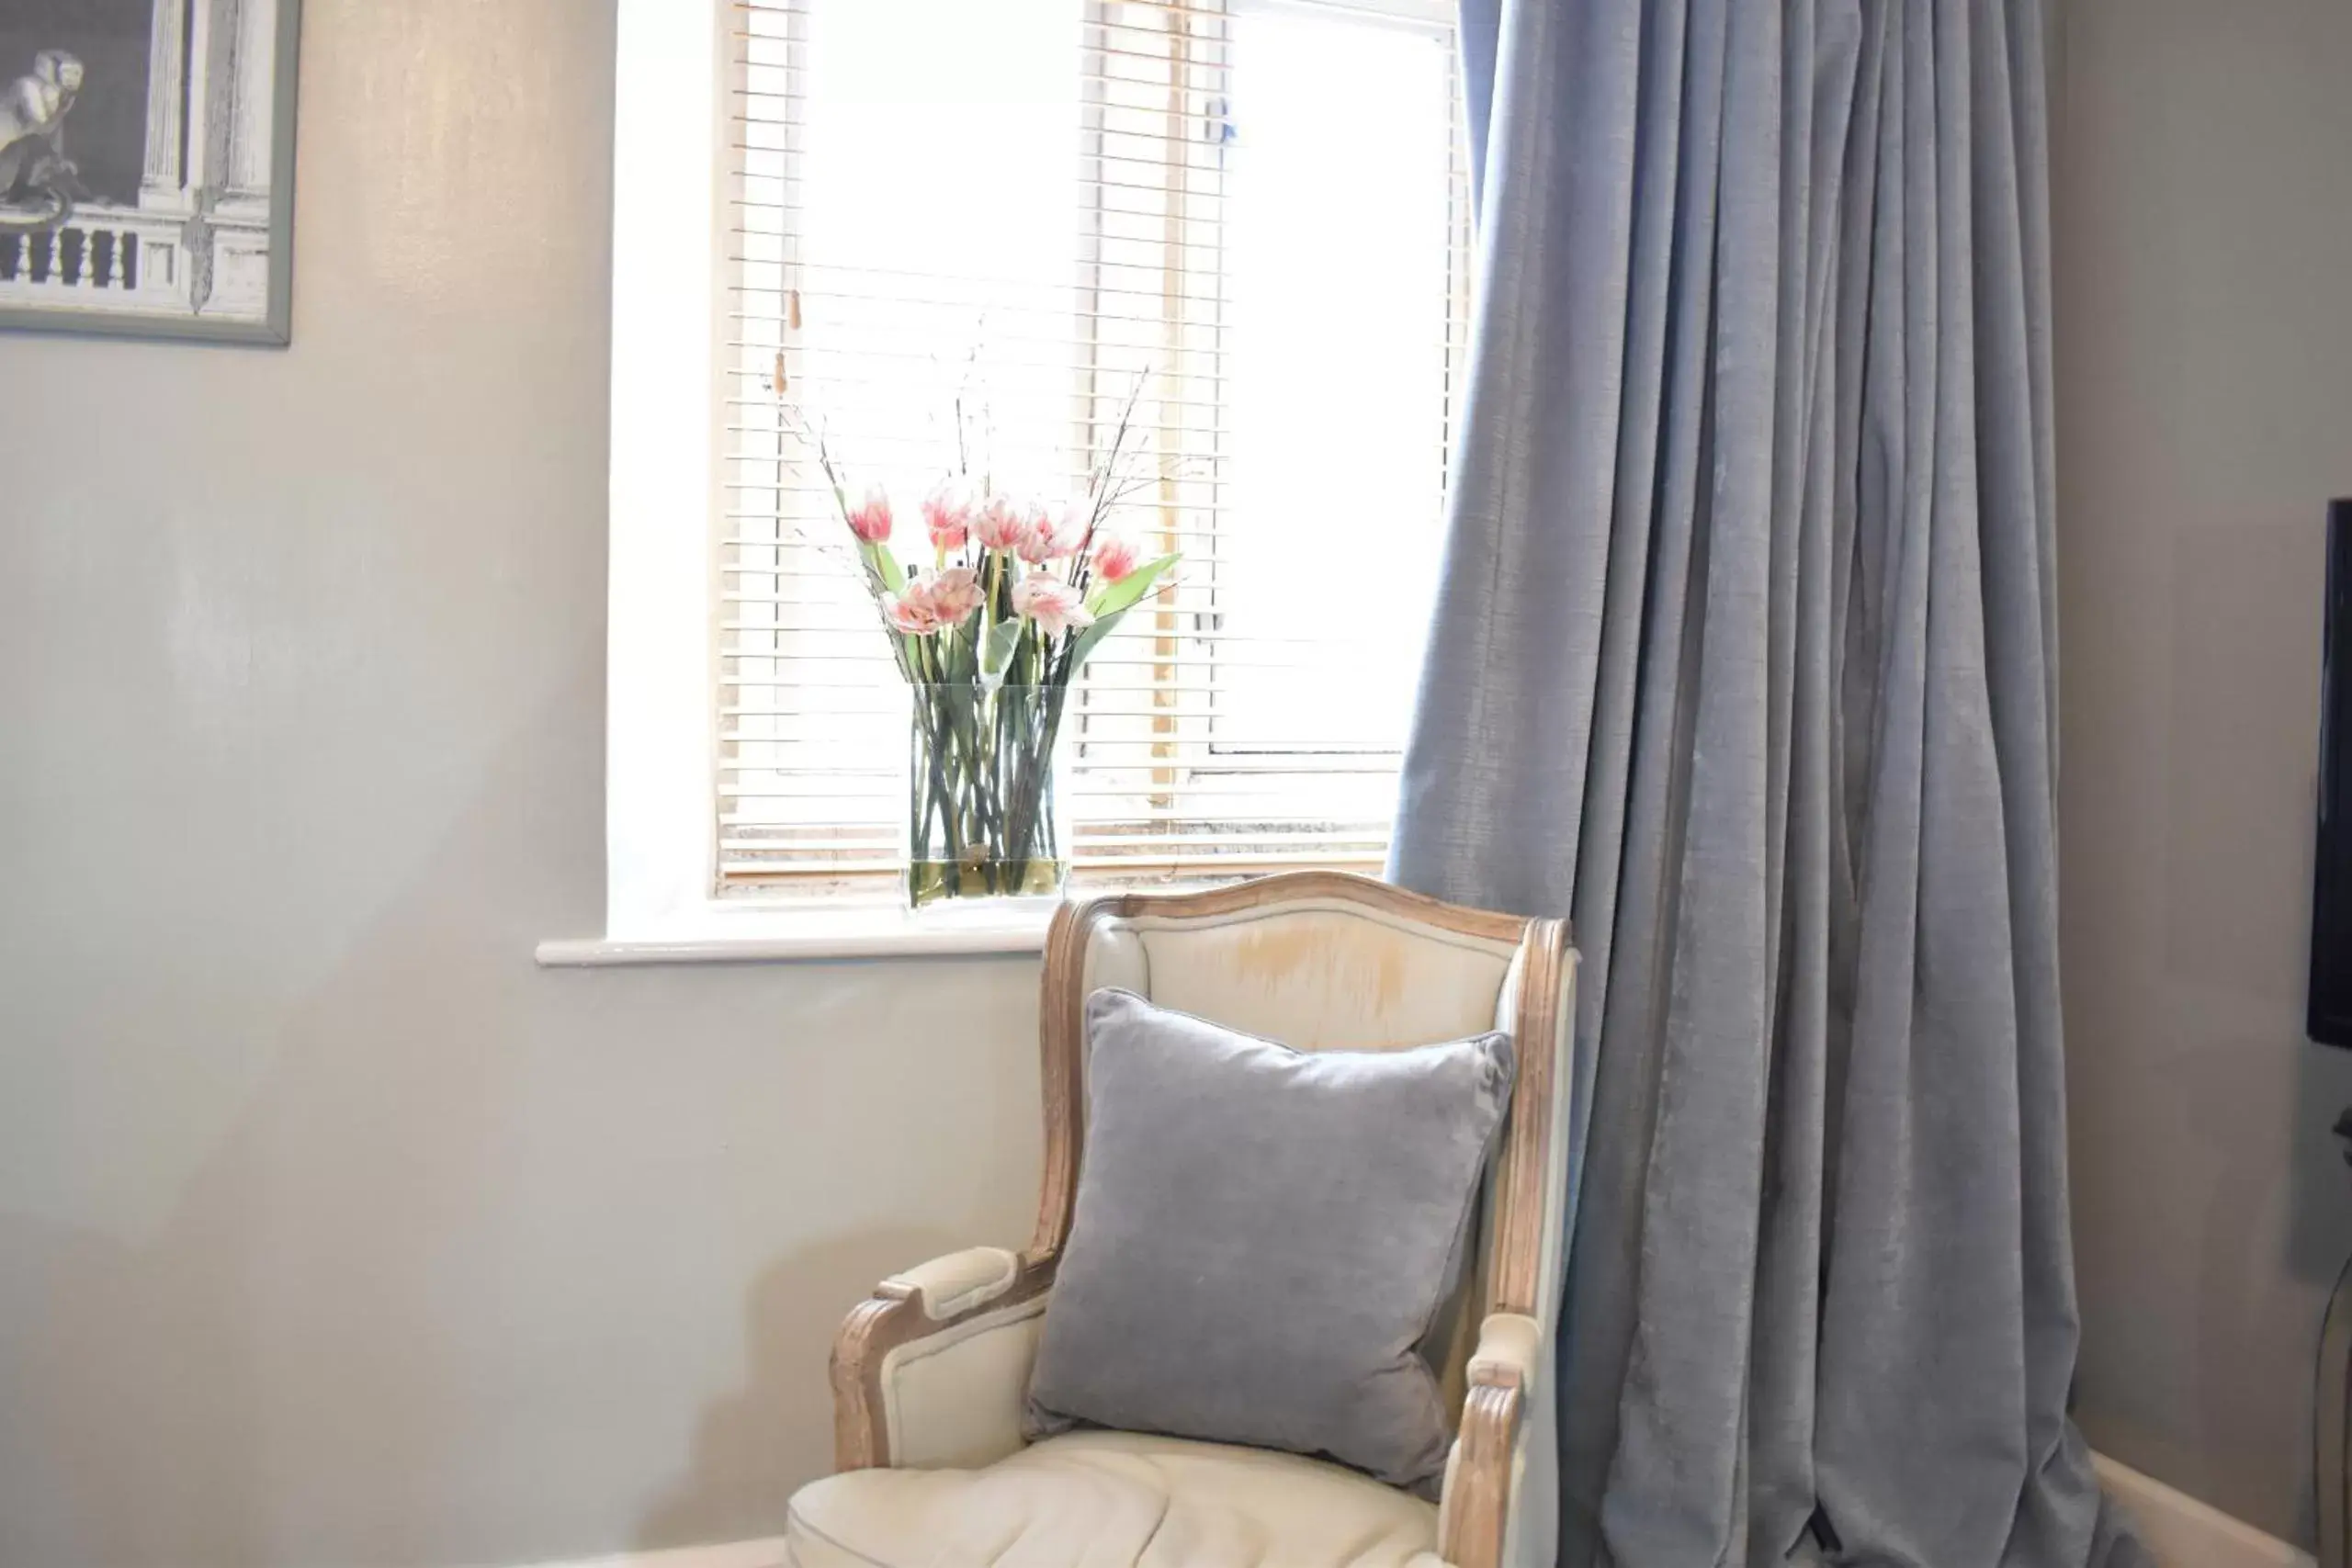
983	820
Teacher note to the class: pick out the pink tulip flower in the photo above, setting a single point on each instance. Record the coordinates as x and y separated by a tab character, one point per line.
870	518
1000	526
1115	556
1054	604
953	595
947	516
912	612
1046	538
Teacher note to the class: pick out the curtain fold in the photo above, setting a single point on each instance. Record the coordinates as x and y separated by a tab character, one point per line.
1745	658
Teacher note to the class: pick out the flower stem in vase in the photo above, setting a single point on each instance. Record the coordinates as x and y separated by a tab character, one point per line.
980	788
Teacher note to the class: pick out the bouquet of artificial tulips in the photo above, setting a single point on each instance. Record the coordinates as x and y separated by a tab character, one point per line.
990	627
1015	592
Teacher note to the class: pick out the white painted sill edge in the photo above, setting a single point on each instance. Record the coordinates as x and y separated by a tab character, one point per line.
784	936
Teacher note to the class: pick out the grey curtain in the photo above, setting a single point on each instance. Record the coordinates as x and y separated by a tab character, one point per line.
1745	657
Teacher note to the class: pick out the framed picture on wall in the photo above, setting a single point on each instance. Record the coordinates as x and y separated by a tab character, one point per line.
147	167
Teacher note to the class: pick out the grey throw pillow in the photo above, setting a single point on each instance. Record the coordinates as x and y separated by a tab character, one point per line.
1263	1236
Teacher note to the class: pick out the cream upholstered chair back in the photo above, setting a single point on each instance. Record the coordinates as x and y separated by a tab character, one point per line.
930	1372
1324	961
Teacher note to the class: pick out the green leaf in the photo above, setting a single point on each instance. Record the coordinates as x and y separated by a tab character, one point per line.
1112	602
956	653
1118	596
996	653
886	566
1093	634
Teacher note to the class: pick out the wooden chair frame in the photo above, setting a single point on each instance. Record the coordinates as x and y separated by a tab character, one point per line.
1477	1501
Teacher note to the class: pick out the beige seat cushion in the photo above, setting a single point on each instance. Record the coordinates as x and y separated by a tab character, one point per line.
1114	1500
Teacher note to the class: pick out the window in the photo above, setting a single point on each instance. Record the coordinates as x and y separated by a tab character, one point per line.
1245	220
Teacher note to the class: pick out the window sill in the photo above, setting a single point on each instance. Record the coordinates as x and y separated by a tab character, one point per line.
773	935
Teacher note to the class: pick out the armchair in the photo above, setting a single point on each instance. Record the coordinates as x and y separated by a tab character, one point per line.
929	1374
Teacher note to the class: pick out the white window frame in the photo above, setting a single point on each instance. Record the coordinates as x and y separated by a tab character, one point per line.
669	111
668	298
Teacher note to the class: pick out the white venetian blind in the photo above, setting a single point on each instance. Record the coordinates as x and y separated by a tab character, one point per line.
974	235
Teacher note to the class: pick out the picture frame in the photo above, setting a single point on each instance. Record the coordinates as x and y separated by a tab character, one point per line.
147	168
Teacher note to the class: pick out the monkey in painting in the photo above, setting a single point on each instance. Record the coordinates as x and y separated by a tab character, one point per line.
32	132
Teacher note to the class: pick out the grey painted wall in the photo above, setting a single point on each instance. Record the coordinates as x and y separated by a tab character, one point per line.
2204	308
333	1231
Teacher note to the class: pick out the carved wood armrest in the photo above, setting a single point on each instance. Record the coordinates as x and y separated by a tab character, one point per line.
1476	1510
941	1296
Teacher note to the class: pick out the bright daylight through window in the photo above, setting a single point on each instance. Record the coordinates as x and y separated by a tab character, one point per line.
968	236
